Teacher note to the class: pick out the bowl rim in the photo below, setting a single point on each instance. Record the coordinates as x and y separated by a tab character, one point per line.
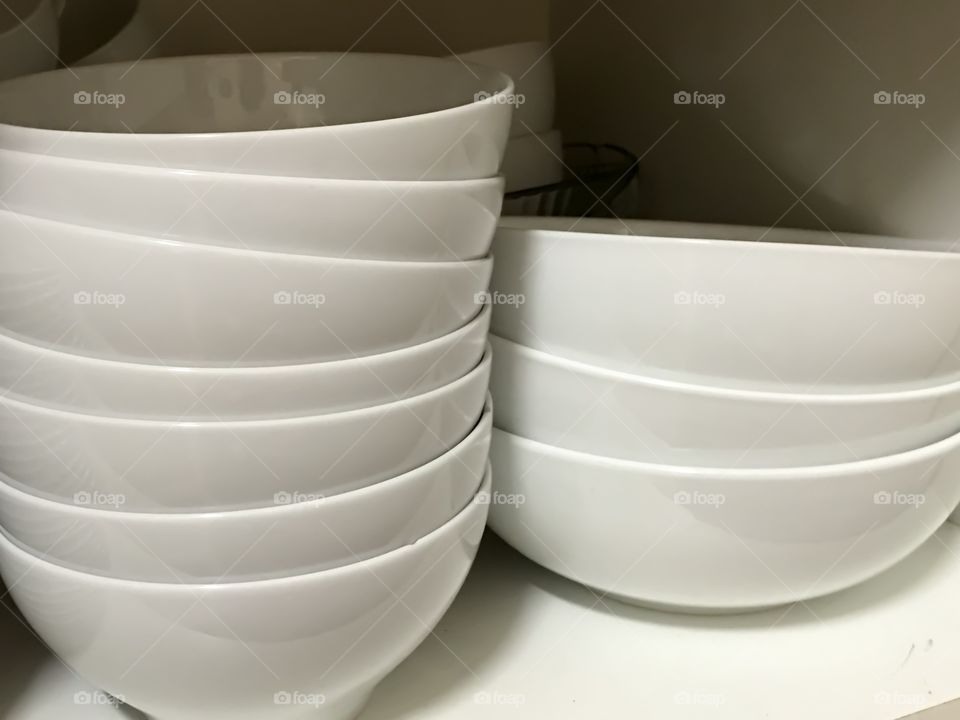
503	82
370	565
329	503
936	450
454	336
526	226
236	425
268	258
224	177
578	367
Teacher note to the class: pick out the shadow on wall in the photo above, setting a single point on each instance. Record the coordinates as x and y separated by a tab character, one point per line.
797	113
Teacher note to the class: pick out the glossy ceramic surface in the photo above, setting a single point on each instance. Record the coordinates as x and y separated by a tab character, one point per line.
711	540
770	315
154	465
366	219
530	65
533	160
634	417
309	646
335	115
133	298
39	374
29	37
296	535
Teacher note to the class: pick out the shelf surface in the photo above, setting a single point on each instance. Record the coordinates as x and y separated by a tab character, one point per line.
520	642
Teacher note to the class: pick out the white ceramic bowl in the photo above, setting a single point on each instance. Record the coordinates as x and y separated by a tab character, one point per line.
582	407
157	392
296	535
162	465
103	31
29	37
134	298
307	646
336	115
710	540
530	66
774	315
532	161
367	219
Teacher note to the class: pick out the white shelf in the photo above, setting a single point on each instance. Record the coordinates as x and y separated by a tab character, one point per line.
517	633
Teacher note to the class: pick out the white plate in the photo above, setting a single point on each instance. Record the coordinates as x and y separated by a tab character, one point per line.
711	540
134	298
365	219
335	115
634	417
307	646
158	465
156	392
298	534
769	315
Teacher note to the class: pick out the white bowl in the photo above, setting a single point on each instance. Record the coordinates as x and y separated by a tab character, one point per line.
530	66
158	392
336	115
103	31
367	219
298	534
708	540
582	407
29	37
160	465
134	298
307	646
531	161
774	315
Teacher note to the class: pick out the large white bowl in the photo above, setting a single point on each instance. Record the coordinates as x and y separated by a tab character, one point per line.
102	31
134	298
707	540
530	66
634	417
160	465
296	535
337	115
776	315
36	373
369	219
307	646
29	37
532	161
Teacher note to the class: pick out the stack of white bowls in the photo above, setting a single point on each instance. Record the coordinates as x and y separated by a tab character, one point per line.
714	418
534	155
243	418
